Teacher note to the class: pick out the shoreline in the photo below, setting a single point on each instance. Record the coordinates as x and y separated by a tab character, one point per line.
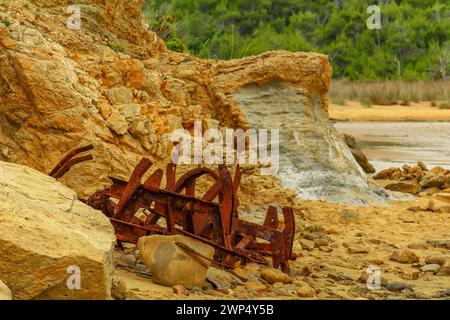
354	111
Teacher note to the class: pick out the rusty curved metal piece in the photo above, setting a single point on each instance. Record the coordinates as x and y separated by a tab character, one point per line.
69	160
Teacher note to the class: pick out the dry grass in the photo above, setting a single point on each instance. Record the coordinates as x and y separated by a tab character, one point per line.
391	92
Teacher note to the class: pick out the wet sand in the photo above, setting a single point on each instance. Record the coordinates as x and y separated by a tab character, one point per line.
388	144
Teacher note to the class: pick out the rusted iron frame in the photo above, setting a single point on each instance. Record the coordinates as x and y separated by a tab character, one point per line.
196	214
263	232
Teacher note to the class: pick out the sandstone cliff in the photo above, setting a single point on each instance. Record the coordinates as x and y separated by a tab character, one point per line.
114	84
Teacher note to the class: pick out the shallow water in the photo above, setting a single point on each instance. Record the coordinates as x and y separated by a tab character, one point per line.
389	144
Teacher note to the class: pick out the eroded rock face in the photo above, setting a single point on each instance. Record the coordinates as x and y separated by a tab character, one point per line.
113	84
314	159
47	235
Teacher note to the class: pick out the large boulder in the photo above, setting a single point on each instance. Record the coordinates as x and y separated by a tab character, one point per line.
49	241
171	264
5	292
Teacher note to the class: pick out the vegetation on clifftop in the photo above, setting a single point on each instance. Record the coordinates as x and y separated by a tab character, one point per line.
413	43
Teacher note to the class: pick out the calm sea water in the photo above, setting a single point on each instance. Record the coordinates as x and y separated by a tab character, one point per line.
389	144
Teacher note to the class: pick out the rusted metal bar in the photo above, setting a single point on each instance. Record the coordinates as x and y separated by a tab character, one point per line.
68	161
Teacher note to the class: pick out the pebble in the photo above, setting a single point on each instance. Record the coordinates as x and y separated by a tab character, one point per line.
434	268
222	279
285	290
346	282
307	244
241	273
180	290
444	271
275	275
337	276
127	260
445	293
306	292
255	286
305	271
438	259
417	246
356	249
377	262
405	256
411	274
398	286
321	243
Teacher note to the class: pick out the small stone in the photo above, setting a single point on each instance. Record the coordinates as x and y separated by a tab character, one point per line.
356	249
434	268
305	271
255	286
118	289
418	296
422	166
411	274
326	249
320	243
346	282
398	286
404	256
444	197
416	245
307	245
141	267
377	262
439	206
275	275
241	273
436	181
349	215
306	292
310	236
337	276
404	187
445	293
438	259
284	290
127	260
406	291
429	192
222	279
8	43
198	290
180	290
444	271
422	205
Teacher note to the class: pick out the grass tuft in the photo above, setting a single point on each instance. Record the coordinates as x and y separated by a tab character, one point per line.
389	92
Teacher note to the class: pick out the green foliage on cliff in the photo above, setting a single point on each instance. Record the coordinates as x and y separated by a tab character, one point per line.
413	43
